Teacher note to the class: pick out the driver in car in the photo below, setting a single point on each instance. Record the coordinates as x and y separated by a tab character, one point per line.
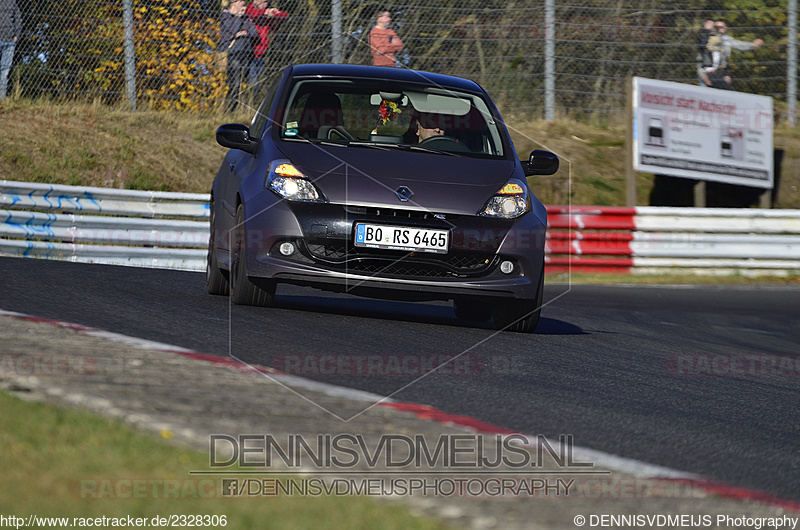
429	125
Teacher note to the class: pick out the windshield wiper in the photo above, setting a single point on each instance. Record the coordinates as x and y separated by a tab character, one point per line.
412	147
404	147
315	141
367	143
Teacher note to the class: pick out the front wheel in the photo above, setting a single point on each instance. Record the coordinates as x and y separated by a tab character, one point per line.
216	282
243	291
521	316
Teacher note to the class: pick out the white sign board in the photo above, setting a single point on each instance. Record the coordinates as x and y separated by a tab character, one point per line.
702	133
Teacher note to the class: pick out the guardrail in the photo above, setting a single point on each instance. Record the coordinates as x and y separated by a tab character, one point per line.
170	230
104	225
662	240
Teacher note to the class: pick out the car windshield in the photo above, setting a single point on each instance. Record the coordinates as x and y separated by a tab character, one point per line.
413	117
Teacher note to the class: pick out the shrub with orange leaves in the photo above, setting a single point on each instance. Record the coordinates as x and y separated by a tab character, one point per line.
175	46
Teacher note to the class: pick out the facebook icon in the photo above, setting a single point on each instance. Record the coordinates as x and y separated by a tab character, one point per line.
230	486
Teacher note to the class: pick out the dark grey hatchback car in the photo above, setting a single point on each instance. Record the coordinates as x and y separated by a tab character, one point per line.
380	182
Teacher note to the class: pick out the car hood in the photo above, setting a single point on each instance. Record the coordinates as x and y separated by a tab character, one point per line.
369	176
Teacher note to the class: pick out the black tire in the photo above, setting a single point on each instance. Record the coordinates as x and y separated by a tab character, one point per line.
520	316
243	291
216	282
472	310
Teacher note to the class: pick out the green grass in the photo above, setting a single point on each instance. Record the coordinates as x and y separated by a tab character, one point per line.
94	145
59	462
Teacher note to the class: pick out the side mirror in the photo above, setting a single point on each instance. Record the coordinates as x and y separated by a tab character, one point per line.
237	136
541	163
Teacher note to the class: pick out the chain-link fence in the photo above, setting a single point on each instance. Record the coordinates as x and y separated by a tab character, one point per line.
534	57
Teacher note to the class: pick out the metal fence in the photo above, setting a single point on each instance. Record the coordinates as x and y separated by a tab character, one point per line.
537	58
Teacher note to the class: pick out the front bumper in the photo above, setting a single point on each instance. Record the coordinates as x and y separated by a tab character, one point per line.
325	257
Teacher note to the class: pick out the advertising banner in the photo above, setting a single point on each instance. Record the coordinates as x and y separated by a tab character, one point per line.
702	133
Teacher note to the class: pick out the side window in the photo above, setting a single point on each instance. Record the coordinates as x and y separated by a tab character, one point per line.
261	118
294	115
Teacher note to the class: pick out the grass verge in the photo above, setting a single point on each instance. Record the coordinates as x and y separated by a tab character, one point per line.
59	462
95	145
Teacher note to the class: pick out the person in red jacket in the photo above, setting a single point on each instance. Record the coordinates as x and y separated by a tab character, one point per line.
265	18
383	42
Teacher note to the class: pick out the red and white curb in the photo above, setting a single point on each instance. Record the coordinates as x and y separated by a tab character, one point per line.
425	412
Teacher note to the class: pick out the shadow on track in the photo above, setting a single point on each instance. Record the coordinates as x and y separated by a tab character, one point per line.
437	313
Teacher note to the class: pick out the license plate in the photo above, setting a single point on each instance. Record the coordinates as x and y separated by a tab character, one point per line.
402	238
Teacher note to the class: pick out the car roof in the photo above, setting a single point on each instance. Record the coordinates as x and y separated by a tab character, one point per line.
385	73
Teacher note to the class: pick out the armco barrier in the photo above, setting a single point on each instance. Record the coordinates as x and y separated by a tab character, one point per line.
659	240
106	201
170	230
103	225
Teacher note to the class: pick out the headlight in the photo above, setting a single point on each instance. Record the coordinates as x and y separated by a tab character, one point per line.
510	201
288	182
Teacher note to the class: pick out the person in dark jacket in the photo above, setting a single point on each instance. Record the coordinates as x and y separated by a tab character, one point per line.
704	58
267	20
10	32
238	34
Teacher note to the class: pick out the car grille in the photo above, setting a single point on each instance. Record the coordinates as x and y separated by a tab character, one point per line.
335	252
410	270
392	263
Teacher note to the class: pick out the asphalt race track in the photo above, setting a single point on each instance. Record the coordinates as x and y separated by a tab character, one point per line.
673	376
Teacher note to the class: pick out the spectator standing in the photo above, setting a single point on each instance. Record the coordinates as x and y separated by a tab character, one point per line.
10	32
266	19
383	41
237	35
716	76
720	46
704	59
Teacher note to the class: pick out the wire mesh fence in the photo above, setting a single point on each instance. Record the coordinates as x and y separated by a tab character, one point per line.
578	54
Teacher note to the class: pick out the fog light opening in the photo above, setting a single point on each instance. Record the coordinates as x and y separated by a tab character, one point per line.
507	267
286	248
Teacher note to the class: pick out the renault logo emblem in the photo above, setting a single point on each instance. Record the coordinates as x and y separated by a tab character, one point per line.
404	193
